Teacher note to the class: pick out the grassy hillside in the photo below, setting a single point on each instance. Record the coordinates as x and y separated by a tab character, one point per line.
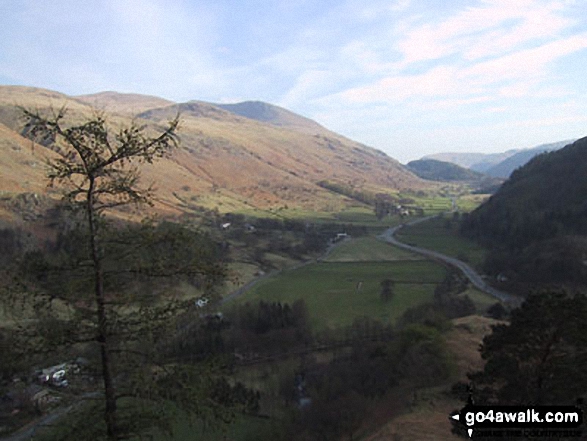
128	103
226	161
274	115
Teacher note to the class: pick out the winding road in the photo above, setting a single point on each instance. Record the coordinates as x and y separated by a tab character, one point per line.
468	271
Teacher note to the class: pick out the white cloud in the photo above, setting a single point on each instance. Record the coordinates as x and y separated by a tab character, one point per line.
442	81
526	63
511	75
492	29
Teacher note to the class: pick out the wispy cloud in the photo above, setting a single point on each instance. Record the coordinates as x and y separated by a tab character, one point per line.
389	73
494	57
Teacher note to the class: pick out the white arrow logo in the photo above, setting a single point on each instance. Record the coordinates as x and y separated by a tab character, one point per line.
456	418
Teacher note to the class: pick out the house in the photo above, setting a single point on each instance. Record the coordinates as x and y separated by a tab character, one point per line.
340	236
201	302
54	375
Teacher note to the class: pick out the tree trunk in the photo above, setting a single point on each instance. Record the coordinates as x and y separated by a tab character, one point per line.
102	335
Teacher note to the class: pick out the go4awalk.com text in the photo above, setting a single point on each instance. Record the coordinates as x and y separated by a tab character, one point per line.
521	421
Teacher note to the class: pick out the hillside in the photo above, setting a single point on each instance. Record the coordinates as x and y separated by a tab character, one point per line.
128	103
475	161
435	170
537	222
274	115
505	168
226	161
497	165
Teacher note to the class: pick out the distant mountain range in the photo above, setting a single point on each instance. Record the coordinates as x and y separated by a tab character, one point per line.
474	161
498	165
505	168
244	157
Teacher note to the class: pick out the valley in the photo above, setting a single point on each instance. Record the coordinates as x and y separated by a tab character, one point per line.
285	283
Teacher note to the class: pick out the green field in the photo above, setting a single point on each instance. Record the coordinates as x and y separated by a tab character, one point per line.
339	292
369	249
482	300
441	234
469	202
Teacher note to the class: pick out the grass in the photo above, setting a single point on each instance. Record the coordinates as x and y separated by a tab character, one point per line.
333	295
354	214
233	164
430	204
242	428
441	234
482	300
239	273
470	202
427	417
369	249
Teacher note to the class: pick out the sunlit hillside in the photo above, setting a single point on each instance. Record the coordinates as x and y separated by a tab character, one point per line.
225	160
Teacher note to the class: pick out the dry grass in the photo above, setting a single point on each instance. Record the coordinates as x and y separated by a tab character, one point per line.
429	416
225	161
124	103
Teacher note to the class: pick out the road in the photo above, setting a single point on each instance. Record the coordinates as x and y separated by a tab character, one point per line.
470	273
29	431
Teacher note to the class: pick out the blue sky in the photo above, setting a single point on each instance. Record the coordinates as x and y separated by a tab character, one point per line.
410	77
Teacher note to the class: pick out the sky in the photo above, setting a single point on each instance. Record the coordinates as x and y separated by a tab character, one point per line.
409	77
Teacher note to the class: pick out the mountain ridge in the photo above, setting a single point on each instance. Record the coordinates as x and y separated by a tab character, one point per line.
436	170
497	165
274	115
226	161
505	168
474	161
112	101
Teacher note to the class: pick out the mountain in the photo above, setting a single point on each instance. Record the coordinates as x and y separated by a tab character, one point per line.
474	161
128	103
536	223
226	161
435	170
498	165
505	168
273	115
